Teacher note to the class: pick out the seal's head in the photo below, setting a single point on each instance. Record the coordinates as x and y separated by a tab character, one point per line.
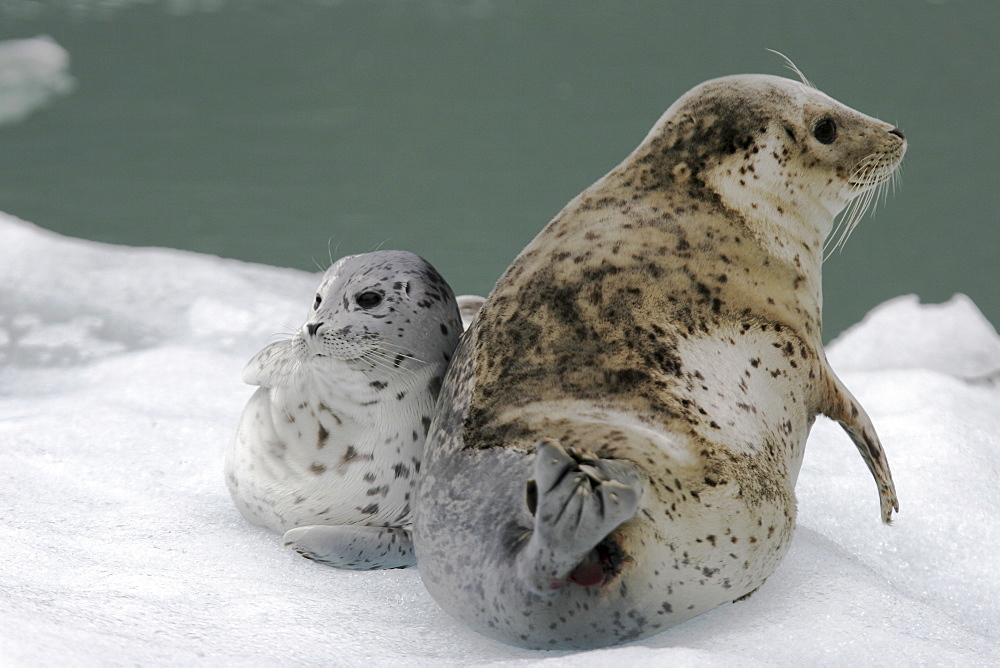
785	156
376	313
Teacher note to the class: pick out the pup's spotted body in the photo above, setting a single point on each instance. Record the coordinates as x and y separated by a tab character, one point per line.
329	447
619	435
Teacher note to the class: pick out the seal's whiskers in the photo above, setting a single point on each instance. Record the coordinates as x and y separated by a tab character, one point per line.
398	349
875	175
389	361
793	67
286	333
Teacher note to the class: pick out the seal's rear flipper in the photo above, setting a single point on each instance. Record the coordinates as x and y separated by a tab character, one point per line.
844	408
577	502
354	547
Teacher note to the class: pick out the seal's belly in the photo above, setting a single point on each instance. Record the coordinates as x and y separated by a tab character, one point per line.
747	381
702	539
281	487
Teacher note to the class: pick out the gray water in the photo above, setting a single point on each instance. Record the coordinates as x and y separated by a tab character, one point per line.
287	132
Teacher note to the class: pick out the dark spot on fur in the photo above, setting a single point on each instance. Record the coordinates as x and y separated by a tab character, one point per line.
434	386
625	379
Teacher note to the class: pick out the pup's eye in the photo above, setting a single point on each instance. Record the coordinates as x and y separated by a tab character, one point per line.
368	300
825	131
319	300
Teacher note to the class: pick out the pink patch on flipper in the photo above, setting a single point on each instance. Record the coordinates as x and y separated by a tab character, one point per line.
588	574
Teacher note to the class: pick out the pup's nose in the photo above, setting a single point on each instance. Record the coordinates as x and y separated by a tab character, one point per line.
312	327
898	133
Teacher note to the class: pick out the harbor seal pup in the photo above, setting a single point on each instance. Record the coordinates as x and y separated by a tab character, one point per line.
620	432
329	447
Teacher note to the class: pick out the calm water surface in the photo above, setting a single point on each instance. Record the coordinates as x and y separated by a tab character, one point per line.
289	132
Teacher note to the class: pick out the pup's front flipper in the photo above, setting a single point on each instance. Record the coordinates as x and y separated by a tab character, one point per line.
577	501
354	547
841	406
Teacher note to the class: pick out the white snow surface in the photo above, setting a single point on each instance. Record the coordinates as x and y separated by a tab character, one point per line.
32	73
120	389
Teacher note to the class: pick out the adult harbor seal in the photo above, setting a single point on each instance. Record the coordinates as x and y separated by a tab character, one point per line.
329	447
620	432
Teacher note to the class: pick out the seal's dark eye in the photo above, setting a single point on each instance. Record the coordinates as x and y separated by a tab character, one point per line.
318	301
825	131
367	300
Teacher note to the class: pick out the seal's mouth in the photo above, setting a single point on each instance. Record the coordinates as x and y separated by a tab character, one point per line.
317	345
316	356
876	176
320	357
874	170
362	353
870	181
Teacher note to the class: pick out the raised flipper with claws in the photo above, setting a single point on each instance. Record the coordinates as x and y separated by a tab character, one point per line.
577	500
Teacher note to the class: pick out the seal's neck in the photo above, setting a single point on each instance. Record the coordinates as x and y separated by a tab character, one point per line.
783	215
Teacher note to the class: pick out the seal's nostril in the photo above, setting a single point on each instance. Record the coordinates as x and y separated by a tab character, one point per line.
897	132
312	327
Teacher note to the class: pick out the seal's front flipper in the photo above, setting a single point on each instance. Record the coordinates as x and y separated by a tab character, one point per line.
841	406
577	501
354	547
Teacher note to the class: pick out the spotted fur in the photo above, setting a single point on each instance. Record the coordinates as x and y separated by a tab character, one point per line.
328	447
655	357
